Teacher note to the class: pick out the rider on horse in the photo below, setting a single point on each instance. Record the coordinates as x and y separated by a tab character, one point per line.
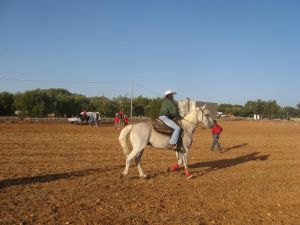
168	112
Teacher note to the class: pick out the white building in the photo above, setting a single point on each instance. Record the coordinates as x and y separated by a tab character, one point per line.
187	105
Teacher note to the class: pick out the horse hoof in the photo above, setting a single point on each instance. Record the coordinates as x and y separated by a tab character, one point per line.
146	177
174	167
122	175
189	177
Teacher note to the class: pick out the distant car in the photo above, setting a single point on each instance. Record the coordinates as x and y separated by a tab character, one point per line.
74	120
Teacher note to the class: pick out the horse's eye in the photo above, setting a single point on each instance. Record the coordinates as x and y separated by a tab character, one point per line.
207	115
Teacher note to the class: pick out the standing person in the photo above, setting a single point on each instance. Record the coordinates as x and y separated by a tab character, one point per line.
168	112
125	120
216	130
98	119
116	121
84	116
94	117
91	119
121	115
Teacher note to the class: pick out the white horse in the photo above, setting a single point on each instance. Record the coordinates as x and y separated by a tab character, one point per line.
143	134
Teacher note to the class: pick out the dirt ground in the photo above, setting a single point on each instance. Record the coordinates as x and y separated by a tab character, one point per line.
68	174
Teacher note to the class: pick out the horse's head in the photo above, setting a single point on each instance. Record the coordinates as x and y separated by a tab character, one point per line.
204	116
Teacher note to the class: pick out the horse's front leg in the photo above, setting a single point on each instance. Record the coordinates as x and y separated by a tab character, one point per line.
179	160
185	164
176	166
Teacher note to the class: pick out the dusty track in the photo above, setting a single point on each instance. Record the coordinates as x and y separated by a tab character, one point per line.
64	174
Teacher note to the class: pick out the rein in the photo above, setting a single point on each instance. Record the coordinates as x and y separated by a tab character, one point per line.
196	124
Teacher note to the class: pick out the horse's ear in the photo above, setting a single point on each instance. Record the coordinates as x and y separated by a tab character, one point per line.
203	107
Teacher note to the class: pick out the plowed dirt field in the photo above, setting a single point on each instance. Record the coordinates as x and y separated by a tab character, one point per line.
68	174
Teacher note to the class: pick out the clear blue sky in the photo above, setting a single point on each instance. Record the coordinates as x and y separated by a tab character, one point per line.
219	51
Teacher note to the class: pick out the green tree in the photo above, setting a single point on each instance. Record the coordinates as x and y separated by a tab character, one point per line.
6	104
236	110
35	103
65	106
140	105
154	108
288	112
105	106
81	103
270	109
19	102
124	104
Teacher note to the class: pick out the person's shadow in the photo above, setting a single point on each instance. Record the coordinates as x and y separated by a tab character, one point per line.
233	147
225	163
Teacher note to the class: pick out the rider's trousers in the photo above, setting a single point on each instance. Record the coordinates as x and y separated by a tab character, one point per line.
176	132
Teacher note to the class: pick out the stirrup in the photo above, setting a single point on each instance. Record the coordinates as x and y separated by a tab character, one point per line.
175	148
172	147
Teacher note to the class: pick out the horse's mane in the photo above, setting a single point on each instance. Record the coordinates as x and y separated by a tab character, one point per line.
191	112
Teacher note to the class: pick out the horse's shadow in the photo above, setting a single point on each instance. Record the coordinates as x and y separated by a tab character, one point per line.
225	163
217	164
51	177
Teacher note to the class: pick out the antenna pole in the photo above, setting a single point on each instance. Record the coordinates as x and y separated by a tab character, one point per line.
131	99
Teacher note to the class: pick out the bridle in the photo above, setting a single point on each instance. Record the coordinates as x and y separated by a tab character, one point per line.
196	124
203	113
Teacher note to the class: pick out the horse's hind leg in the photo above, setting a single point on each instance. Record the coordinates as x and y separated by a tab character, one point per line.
179	158
138	164
132	155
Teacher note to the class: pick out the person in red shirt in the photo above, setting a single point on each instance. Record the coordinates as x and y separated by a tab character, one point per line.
216	130
121	115
125	120
117	121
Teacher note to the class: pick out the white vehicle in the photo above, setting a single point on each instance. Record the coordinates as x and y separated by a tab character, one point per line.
74	120
92	118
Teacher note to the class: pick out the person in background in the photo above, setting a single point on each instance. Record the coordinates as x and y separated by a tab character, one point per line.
126	120
121	115
168	112
84	113
216	130
98	119
117	121
84	117
91	119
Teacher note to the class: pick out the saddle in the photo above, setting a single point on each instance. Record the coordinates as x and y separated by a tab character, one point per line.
162	128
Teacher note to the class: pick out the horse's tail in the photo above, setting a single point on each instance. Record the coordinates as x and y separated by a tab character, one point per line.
123	138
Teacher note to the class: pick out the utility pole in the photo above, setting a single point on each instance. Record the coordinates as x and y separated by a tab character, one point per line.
131	99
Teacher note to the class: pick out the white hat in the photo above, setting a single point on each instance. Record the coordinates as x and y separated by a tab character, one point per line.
169	92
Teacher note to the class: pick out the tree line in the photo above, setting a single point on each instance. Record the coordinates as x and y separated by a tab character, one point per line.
266	109
61	102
